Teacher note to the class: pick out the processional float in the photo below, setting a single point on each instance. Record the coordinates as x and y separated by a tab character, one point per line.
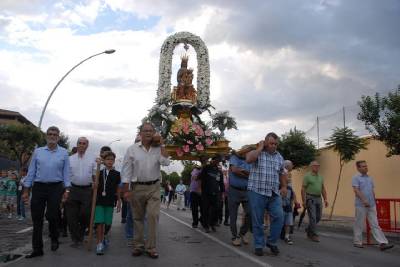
177	109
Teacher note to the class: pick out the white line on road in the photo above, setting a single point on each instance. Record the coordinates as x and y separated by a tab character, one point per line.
25	230
237	251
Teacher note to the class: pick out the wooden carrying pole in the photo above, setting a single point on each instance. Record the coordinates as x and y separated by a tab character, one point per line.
94	198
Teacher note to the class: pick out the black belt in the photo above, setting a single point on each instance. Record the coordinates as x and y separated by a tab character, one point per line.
47	183
147	183
238	188
81	186
313	195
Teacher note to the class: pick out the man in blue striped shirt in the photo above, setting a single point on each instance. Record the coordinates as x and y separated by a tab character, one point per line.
48	177
266	177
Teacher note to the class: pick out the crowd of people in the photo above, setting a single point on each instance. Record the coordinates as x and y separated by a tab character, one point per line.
60	188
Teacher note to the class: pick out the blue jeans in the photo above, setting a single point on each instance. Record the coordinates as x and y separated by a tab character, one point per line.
129	222
258	204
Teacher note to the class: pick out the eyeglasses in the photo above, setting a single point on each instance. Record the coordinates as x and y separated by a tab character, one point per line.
52	134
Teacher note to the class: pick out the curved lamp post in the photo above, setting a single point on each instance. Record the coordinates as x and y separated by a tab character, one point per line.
109	51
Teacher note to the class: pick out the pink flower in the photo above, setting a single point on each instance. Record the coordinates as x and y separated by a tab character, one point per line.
209	141
179	152
189	142
199	147
207	133
186	148
199	131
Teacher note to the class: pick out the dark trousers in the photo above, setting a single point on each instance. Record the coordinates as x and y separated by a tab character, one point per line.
195	206
210	209
45	197
237	197
20	205
63	220
226	209
78	208
124	209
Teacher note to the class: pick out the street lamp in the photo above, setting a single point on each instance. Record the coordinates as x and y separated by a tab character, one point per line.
109	51
116	140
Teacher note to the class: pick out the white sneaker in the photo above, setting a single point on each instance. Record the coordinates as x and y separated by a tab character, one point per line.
245	239
100	249
236	242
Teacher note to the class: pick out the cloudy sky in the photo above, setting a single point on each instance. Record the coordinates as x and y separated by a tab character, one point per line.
274	64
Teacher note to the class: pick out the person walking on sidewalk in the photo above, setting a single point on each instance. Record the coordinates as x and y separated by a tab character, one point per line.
180	195
365	207
48	177
108	191
311	191
20	203
82	171
141	167
239	171
195	195
266	175
212	185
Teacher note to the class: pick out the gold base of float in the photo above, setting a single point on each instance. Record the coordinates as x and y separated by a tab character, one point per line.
221	147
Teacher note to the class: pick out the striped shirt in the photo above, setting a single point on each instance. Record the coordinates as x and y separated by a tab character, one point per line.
265	172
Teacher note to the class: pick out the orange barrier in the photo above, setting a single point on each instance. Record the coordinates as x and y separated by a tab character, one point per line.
387	210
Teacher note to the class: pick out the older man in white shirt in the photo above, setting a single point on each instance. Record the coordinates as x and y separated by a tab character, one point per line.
141	168
82	171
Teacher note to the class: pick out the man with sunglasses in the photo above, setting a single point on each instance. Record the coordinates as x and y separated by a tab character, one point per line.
82	171
48	179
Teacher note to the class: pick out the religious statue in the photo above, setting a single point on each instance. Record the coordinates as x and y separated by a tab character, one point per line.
184	91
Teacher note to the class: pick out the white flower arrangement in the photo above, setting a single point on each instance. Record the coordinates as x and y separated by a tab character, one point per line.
203	68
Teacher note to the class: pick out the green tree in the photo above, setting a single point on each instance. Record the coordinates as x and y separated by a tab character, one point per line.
296	147
347	145
64	141
186	173
174	178
18	141
381	116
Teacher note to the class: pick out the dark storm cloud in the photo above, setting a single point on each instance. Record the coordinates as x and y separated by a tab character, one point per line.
361	38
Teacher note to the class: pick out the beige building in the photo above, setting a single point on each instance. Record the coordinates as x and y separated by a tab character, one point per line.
385	172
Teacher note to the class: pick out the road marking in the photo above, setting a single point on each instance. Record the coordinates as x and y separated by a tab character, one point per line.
237	251
25	230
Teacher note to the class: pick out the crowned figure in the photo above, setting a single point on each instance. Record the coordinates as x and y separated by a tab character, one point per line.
184	91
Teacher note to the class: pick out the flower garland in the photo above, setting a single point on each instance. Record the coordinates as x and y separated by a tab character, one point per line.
203	67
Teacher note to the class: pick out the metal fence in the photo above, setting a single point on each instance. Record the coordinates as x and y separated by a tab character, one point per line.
323	127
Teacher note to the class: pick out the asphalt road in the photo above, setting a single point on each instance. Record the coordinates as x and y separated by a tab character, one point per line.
180	245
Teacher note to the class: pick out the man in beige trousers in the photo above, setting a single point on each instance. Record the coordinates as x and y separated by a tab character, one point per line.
141	169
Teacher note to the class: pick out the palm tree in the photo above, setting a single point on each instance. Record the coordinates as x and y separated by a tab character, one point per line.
347	145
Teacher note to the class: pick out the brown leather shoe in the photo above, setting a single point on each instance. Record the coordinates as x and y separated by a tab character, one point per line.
137	252
34	254
152	254
385	246
313	238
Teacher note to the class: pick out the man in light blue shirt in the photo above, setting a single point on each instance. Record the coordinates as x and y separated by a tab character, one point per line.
180	191
363	187
48	179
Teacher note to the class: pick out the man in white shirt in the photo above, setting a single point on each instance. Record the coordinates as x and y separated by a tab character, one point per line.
141	168
82	170
180	191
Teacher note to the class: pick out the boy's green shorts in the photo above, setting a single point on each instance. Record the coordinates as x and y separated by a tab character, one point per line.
103	215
